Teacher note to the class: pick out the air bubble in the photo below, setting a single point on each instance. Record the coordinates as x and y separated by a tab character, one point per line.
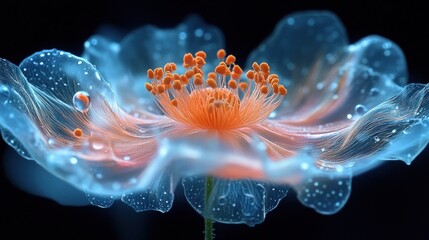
81	101
360	109
374	92
221	200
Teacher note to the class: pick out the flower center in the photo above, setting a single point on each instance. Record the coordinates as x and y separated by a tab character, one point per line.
221	100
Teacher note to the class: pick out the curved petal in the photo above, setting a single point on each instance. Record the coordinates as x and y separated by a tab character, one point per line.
297	49
233	201
125	63
368	74
395	129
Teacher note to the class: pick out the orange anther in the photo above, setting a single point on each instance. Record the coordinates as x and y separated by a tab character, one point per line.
189	73
282	90
256	67
232	84
264	89
160	88
237	69
167	79
235	76
150	74
188	60
274	80
275	88
176	76
173	66
211	82
201	54
200	61
198	81
177	85
211	75
221	69
174	102
183	79
250	74
221	54
197	70
230	60
158	73
167	67
265	67
149	87
78	132
243	86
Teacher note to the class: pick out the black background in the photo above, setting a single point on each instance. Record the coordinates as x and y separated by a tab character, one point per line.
390	202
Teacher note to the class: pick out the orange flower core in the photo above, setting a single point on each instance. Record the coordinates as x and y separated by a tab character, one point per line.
219	100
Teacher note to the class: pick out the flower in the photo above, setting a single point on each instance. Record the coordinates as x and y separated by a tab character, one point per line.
310	113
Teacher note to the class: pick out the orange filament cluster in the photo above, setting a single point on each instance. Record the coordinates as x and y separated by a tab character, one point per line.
219	100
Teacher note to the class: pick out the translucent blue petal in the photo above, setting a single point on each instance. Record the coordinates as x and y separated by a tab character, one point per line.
326	194
298	42
356	85
396	129
125	63
158	196
103	201
33	179
233	201
150	47
382	56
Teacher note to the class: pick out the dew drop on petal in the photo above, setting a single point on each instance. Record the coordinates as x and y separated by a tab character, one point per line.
374	92
377	139
360	109
97	145
221	200
81	101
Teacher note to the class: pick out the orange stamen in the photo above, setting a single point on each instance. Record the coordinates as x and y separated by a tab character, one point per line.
212	101
221	54
150	74
230	60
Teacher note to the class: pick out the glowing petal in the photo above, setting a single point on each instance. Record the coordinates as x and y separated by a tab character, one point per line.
296	45
234	201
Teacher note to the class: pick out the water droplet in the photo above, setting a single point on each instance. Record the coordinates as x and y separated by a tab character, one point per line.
182	35
199	32
360	109
394	131
319	86
80	62
349	116
81	101
51	141
377	139
387	52
126	158
73	160
291	21
221	200
374	92
97	145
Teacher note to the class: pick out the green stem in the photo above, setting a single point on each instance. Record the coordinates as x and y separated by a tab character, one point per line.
208	223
